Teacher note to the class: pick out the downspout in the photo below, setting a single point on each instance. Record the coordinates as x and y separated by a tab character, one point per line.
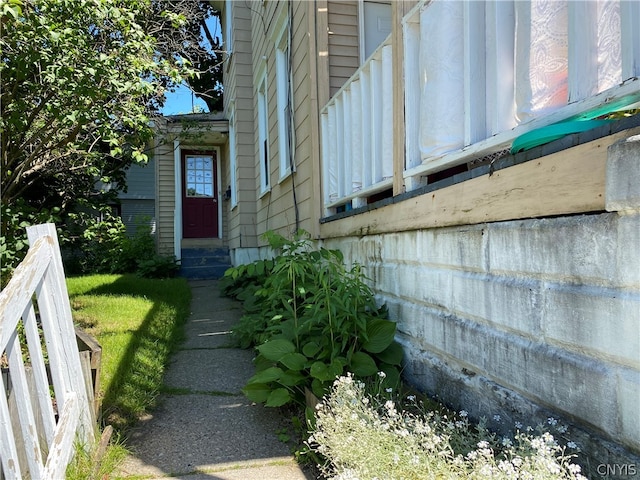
291	130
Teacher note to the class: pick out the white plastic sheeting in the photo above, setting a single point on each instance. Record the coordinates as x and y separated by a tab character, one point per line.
540	56
441	71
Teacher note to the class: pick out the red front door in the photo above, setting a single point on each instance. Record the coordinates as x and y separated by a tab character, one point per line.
199	195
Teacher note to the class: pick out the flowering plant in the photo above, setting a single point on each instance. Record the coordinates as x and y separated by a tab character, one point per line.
369	437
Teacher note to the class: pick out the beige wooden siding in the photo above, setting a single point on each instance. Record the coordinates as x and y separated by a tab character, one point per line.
238	83
276	209
344	58
165	196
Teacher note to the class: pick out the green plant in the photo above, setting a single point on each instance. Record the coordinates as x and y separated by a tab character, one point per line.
311	319
158	266
101	245
98	461
367	436
15	218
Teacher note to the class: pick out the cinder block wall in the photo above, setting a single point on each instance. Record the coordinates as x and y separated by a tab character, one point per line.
525	319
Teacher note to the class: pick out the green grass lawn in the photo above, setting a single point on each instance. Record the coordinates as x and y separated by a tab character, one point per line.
138	323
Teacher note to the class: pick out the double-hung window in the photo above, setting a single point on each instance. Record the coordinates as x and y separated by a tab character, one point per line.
263	130
233	164
283	97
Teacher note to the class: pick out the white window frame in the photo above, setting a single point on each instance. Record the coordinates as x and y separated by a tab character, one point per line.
228	26
283	97
263	128
233	163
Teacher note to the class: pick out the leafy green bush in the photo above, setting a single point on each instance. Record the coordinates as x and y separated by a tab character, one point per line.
311	319
96	245
158	266
101	245
368	436
13	235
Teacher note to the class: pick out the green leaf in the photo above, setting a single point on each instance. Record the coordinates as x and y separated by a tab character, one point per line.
294	361
270	374
262	363
290	378
279	397
319	388
310	349
392	354
392	378
324	372
276	349
362	364
257	392
380	334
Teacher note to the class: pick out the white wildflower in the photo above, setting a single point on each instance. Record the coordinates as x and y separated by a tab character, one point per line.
388	390
382	375
574	469
572	445
497	418
464	413
552	421
411	398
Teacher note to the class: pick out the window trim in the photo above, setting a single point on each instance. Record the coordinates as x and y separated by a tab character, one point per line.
233	163
283	98
228	30
262	111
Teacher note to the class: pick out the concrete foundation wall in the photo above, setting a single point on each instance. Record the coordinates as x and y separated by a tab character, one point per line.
525	319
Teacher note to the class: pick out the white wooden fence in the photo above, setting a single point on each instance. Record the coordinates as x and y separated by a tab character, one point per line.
38	442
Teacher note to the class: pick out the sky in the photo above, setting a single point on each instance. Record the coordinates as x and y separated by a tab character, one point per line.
182	101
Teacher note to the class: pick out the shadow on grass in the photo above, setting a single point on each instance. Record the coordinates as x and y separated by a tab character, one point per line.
142	360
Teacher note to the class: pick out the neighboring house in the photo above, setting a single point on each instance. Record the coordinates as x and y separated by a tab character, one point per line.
514	277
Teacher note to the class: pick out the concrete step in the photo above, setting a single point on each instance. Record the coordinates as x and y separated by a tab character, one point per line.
204	263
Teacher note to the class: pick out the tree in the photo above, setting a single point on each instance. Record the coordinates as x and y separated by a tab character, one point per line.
82	81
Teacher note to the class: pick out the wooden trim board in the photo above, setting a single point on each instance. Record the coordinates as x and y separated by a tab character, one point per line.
567	182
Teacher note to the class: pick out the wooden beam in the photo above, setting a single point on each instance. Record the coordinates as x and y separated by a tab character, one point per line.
319	92
567	182
397	44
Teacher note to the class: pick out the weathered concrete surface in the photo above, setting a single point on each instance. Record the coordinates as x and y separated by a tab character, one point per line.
623	176
525	318
207	429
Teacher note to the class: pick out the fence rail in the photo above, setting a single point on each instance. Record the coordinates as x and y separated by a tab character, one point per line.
39	425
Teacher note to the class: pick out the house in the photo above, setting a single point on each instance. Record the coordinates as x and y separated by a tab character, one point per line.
480	159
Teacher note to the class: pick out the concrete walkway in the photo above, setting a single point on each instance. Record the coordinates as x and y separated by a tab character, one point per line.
205	428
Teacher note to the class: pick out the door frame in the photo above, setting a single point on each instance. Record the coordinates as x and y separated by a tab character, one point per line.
209	152
177	211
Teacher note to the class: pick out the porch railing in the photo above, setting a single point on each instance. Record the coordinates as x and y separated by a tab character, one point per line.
477	76
358	163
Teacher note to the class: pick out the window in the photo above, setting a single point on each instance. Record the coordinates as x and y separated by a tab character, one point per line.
283	98
228	29
375	25
263	137
233	164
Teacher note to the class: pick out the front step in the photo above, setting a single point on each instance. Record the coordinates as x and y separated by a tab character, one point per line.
204	263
